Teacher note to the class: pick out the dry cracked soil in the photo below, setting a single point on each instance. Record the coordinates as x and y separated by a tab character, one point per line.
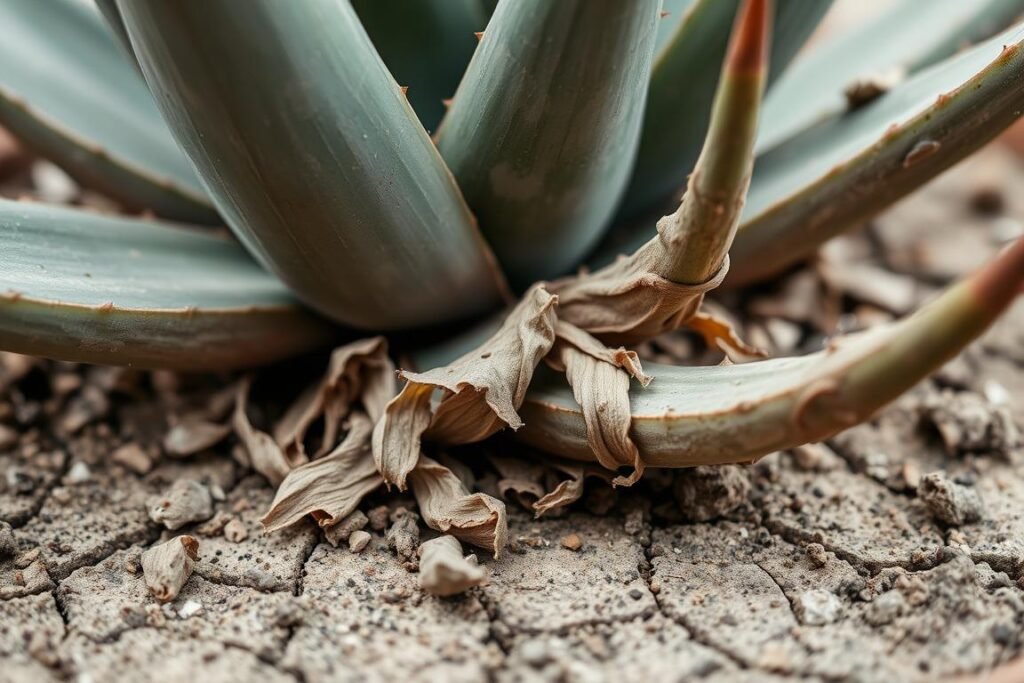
895	551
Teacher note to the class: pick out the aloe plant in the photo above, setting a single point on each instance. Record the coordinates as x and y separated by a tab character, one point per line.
285	123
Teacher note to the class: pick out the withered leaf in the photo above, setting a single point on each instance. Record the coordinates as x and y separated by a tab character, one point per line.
447	506
628	301
444	571
481	391
331	487
357	372
192	435
600	383
167	566
521	480
568	491
264	455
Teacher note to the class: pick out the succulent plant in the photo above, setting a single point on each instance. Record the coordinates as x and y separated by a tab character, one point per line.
554	137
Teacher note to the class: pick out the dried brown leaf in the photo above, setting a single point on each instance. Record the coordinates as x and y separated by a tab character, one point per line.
167	566
628	301
719	334
447	506
599	377
444	571
264	455
357	372
330	487
482	390
521	480
192	435
568	491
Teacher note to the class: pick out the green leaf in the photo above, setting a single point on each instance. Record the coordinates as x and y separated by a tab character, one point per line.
426	44
903	39
838	174
542	128
112	15
80	286
68	91
314	157
673	13
710	415
683	82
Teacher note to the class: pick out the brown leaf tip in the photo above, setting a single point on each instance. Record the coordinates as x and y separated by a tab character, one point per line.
1000	282
748	50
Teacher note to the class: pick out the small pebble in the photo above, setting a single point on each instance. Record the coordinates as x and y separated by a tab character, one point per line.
78	474
817	607
378	518
358	540
132	458
572	542
949	502
235	531
190	609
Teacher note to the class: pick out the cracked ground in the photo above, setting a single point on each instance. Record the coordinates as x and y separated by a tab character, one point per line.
895	551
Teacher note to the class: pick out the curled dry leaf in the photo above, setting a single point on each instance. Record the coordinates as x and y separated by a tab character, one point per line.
167	566
521	480
599	377
264	455
629	301
447	506
482	390
357	372
192	435
185	502
331	487
444	571
568	491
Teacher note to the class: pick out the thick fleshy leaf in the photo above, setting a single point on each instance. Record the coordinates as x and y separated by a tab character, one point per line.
737	413
904	38
68	91
682	87
836	175
426	44
314	157
544	125
673	13
80	286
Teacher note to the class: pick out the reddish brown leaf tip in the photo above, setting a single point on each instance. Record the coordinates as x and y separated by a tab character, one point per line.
748	49
1000	282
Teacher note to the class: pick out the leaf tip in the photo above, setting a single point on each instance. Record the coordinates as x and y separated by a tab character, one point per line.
748	50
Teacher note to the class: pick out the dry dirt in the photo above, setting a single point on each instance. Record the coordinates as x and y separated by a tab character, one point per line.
893	552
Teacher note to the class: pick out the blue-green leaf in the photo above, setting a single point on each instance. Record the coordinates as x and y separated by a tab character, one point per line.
68	91
314	157
80	286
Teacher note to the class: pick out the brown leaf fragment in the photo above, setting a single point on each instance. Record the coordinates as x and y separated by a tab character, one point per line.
192	435
719	334
444	571
628	301
185	502
568	491
359	372
600	384
481	391
331	487
520	480
447	506
264	455
167	566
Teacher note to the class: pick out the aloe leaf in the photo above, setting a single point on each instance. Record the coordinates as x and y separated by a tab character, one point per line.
426	44
902	39
544	124
68	91
683	82
673	13
112	15
838	174
314	157
711	415
80	286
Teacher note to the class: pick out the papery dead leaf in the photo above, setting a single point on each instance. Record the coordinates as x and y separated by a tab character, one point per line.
447	506
520	479
167	566
628	301
264	455
444	571
331	487
482	390
570	490
719	334
192	435
599	377
357	372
